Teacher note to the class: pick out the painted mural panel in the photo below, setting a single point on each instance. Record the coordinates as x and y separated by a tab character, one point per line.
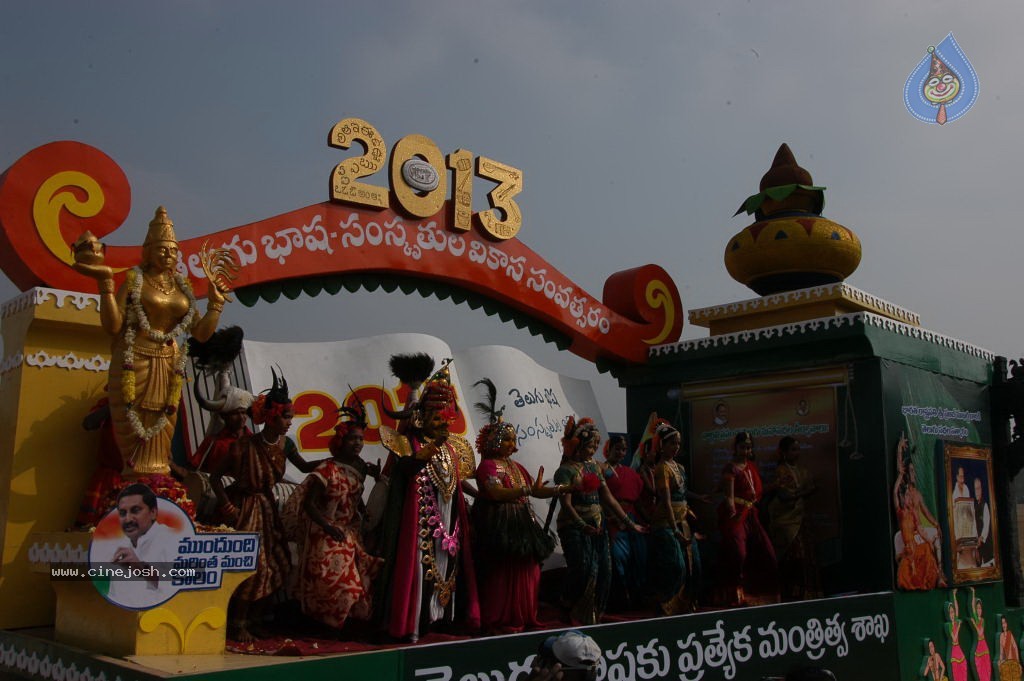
807	414
926	415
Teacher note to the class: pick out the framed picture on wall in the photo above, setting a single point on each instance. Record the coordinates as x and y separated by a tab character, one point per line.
973	539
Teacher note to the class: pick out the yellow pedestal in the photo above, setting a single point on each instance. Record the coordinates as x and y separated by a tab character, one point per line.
53	370
190	623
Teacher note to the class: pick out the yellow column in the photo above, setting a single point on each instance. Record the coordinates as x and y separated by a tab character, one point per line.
54	368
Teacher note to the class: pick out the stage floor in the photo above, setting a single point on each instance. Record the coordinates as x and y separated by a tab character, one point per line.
853	636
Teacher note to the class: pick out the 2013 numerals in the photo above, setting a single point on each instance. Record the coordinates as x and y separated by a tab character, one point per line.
501	222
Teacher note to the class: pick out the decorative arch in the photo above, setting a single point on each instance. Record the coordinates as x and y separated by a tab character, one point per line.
58	191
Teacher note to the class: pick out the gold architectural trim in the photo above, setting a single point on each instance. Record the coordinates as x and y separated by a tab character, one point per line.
855	299
37	296
812	326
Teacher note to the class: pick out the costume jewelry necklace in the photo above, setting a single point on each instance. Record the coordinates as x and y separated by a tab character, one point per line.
515	476
165	287
263	436
441	474
677	475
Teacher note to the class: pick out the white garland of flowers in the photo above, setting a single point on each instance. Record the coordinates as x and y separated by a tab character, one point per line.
136	318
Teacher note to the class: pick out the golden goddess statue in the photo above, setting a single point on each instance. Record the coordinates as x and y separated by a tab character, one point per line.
151	311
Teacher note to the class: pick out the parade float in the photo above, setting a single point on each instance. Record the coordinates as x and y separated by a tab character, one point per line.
904	430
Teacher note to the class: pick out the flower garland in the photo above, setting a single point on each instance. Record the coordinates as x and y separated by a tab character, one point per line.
432	526
136	319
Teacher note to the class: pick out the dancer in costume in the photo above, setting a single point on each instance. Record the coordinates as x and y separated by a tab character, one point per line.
509	543
257	463
335	570
791	536
581	527
1009	654
628	548
921	527
954	627
934	669
675	557
429	568
982	656
152	310
917	569
230	406
748	567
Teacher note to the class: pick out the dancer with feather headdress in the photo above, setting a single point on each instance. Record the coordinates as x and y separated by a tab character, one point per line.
257	463
509	542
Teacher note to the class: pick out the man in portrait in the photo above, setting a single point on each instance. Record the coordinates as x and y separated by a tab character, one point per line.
983	523
150	548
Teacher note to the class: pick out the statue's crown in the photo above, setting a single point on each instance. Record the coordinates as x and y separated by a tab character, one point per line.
160	228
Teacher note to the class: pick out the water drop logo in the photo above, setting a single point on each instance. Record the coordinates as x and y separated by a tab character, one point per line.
944	85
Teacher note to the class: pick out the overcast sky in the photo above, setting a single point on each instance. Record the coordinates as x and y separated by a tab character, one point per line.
639	126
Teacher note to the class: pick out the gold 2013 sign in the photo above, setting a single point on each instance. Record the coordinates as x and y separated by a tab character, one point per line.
418	181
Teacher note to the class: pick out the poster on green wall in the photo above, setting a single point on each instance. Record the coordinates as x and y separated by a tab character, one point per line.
807	414
925	413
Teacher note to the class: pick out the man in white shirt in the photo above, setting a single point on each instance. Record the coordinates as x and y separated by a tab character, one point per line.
983	521
151	547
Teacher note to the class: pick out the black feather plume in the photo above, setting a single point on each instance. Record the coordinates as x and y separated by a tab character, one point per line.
412	369
357	413
219	351
488	406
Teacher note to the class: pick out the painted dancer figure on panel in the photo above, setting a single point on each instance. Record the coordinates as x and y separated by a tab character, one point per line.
917	543
982	656
954	629
748	567
1009	653
933	668
509	542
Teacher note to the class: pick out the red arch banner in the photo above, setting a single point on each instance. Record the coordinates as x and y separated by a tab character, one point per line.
58	191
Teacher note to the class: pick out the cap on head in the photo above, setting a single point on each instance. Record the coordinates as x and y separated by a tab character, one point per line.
573	650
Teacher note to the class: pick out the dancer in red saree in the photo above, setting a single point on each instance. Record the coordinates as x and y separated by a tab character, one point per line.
748	569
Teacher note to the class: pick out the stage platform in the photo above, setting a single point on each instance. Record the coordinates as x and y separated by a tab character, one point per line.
853	636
